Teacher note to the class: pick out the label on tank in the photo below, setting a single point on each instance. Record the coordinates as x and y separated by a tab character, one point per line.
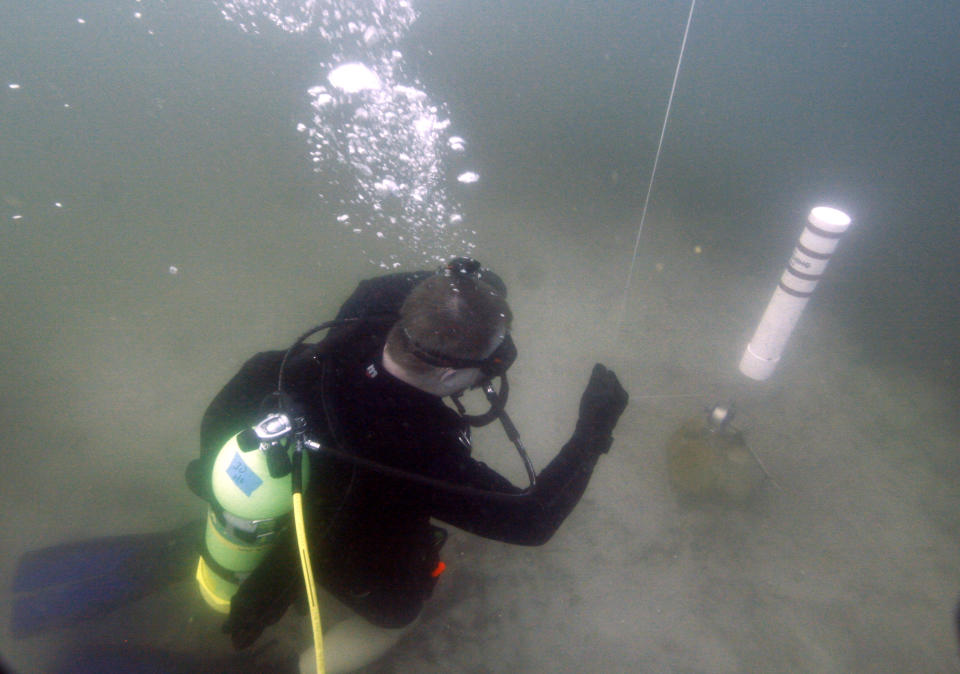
243	476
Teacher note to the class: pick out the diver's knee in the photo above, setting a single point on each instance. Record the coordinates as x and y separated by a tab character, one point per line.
352	644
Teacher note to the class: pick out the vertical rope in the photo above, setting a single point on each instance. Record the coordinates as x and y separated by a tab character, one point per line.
656	161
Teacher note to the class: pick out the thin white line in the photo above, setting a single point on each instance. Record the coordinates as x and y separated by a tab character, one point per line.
656	161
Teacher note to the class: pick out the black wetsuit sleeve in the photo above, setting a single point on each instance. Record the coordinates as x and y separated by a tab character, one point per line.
523	519
240	403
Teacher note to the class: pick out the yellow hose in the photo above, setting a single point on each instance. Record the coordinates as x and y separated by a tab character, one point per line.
308	580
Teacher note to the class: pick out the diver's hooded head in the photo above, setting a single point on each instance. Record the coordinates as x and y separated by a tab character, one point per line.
448	324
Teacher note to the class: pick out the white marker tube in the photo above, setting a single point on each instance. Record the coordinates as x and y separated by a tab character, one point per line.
806	266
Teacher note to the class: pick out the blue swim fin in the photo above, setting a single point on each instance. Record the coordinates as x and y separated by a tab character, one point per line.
65	584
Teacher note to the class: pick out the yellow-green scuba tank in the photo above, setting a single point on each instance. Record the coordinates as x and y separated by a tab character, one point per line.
251	506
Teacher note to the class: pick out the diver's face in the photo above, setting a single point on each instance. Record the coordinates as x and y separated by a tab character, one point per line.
438	381
449	381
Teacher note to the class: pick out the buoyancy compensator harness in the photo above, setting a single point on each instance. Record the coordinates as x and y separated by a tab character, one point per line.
259	474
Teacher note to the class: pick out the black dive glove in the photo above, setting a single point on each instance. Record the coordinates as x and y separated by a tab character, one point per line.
601	405
265	595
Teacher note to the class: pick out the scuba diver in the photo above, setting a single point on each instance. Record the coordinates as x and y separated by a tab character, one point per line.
387	455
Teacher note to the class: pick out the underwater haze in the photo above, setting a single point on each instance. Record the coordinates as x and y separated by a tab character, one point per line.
185	183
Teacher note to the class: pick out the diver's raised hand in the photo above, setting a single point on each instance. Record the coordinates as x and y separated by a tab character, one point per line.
601	405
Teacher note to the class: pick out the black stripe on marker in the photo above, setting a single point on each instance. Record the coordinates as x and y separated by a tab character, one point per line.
812	253
803	276
795	293
824	233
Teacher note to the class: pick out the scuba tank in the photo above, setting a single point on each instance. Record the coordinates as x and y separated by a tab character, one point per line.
252	487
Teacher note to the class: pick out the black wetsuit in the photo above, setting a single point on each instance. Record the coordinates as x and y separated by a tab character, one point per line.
372	543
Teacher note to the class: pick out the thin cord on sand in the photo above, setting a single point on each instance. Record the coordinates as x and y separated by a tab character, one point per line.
653	172
756	457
